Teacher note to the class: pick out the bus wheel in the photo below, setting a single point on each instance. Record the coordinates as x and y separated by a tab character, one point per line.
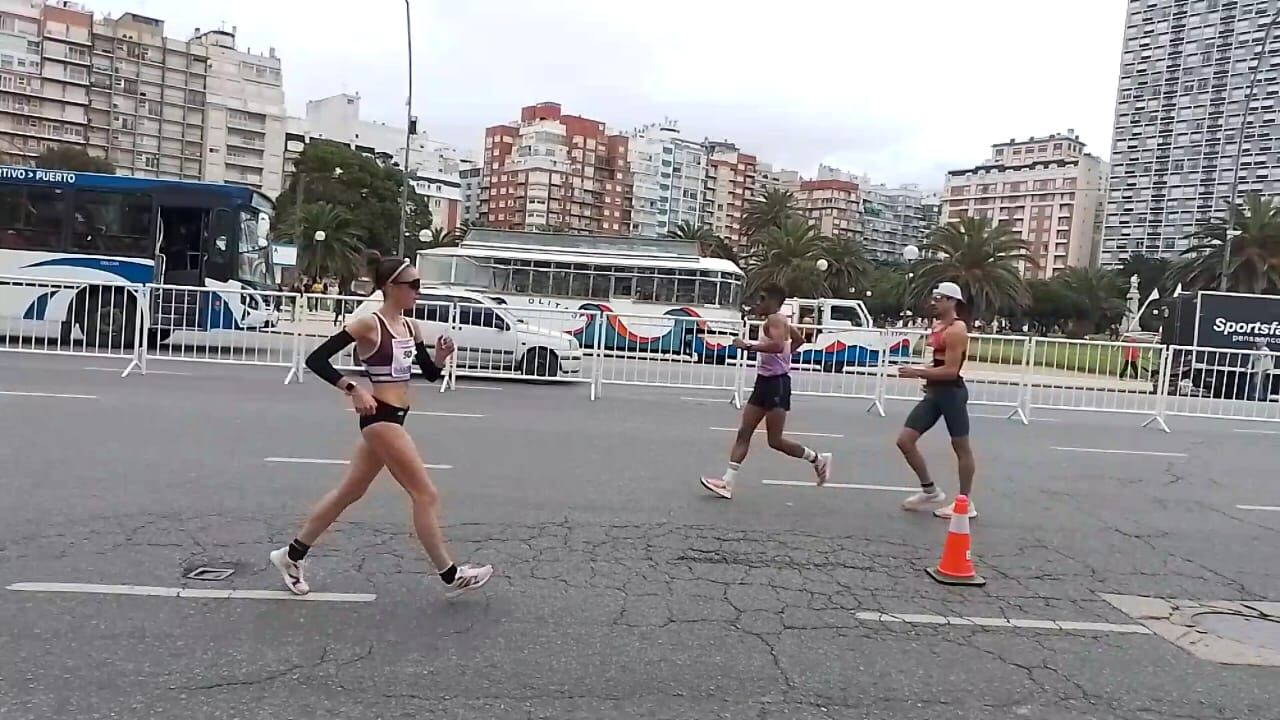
106	318
541	362
158	336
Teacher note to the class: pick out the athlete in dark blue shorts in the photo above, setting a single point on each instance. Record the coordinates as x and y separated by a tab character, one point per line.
946	397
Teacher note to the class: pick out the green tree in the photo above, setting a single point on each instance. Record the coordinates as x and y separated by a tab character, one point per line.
888	285
1050	305
76	159
368	191
464	229
848	273
1098	297
770	211
1152	274
1254	265
709	244
788	255
441	238
338	255
983	259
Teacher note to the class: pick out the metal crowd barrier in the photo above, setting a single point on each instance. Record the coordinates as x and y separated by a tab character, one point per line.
1221	384
995	371
68	317
667	351
1095	376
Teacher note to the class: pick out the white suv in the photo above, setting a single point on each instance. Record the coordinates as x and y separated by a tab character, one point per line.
489	338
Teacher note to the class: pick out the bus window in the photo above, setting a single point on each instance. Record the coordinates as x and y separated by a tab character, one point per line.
540	282
686	291
599	286
113	223
219	253
646	288
846	313
560	283
255	254
521	280
580	284
707	291
31	218
623	285
665	291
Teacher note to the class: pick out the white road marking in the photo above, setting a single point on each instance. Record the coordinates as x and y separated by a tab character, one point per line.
789	432
1264	508
1068	625
1006	417
65	396
841	486
1120	452
479	387
323	461
437	414
196	593
704	399
1258	432
149	372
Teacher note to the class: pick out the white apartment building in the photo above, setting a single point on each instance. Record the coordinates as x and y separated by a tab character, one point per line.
245	115
44	76
1184	75
1047	190
668	179
471	176
732	183
442	193
893	218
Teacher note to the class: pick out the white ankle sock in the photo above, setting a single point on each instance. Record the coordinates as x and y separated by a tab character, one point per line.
731	474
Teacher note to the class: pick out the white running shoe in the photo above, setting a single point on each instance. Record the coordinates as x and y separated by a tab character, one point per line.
291	571
718	487
946	512
469	578
822	467
921	499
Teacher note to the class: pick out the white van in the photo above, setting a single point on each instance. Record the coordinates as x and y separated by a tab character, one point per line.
489	338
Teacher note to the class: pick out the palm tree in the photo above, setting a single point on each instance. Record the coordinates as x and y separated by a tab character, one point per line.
849	272
338	254
788	256
464	229
1255	251
1151	271
1098	296
709	244
441	237
983	259
774	208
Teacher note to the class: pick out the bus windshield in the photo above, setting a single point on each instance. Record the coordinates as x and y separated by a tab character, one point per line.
253	263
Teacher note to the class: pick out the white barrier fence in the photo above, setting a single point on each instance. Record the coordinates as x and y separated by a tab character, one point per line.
141	323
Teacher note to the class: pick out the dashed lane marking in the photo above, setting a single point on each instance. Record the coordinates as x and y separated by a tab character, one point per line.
797	434
189	593
994	622
64	396
841	486
325	461
1120	452
1264	508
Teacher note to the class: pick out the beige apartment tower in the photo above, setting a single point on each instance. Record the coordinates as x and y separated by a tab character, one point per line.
1048	190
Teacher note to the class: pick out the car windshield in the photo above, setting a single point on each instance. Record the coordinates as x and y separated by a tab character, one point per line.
253	262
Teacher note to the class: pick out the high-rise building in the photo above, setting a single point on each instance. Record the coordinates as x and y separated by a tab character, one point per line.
732	183
893	218
44	76
769	179
1047	190
831	205
1184	75
245	115
148	100
471	176
668	176
556	172
442	193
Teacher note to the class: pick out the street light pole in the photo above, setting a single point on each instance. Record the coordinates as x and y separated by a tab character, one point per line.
408	134
1235	170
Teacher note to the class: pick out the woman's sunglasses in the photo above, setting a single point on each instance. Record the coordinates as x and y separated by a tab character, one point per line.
415	283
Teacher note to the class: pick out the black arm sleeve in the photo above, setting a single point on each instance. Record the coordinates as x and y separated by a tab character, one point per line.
318	361
428	366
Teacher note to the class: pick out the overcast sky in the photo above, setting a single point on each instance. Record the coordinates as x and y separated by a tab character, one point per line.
900	89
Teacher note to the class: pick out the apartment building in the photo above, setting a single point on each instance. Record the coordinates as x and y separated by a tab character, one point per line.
895	217
1048	190
831	205
471	177
552	171
442	192
668	179
244	116
44	76
731	184
1184	74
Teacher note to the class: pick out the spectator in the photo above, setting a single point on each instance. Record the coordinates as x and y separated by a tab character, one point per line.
1131	354
1261	366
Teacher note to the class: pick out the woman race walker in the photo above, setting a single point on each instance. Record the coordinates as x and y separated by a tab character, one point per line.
388	344
946	397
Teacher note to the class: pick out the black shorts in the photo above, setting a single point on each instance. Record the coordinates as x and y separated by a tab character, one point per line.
384	413
950	402
771	392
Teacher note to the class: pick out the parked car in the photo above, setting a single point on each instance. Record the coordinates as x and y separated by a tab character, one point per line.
489	337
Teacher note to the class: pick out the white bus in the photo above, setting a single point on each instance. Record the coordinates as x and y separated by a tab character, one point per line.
70	243
660	296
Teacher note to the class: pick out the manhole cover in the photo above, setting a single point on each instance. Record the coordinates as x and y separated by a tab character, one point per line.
1253	631
210	574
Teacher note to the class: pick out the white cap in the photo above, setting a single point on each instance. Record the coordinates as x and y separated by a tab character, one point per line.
949	289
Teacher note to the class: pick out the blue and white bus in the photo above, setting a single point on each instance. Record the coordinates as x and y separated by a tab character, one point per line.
100	230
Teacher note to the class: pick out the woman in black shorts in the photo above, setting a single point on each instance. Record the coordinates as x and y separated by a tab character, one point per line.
945	397
388	344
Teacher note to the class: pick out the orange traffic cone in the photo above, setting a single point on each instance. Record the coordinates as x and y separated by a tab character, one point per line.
956	567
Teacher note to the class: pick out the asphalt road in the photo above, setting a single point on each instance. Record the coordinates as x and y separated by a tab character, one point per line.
623	590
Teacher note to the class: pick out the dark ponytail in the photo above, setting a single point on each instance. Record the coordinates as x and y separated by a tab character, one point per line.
380	269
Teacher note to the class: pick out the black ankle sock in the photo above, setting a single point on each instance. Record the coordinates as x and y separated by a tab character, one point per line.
449	574
298	550
929	489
